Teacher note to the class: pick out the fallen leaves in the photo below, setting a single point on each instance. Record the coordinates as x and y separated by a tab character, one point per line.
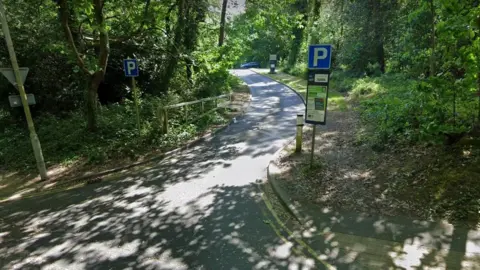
399	180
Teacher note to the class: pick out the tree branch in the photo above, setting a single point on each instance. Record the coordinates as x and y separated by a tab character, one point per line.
104	42
140	27
68	34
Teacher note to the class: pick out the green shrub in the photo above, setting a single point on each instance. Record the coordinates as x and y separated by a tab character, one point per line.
299	70
365	87
65	139
401	109
342	81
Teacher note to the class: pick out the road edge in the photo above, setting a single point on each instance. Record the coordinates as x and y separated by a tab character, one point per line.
282	195
295	91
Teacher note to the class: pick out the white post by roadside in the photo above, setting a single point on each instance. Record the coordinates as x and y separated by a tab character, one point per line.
298	148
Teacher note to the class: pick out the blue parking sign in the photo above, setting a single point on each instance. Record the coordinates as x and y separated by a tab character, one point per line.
319	56
130	67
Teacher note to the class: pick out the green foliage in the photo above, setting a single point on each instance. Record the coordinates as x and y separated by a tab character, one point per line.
136	29
407	110
172	42
412	64
299	70
64	140
342	81
263	30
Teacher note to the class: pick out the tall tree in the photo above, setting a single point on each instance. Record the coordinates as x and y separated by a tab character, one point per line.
96	73
301	6
174	46
223	16
314	7
378	28
432	37
195	14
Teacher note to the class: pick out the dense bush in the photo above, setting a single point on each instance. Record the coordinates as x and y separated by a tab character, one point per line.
414	110
65	140
299	70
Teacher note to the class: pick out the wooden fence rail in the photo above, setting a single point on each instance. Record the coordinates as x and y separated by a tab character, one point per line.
164	110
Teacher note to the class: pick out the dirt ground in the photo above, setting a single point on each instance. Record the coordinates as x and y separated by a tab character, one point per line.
427	182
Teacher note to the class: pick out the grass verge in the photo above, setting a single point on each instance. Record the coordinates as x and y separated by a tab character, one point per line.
336	99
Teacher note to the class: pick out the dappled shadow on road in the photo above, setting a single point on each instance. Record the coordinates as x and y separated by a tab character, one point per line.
347	239
127	224
194	210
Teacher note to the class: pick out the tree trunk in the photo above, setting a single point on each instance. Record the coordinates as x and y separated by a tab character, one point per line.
92	99
195	13
478	93
478	82
173	50
378	26
342	7
432	40
381	55
221	38
188	70
301	6
315	6
94	78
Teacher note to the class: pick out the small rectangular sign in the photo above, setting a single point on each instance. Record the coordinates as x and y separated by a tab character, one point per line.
273	57
16	101
130	67
321	78
317	97
319	56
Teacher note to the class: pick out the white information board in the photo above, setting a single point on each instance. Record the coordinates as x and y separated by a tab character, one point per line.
316	104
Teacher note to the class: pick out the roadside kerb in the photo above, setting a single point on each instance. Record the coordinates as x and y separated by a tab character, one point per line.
295	91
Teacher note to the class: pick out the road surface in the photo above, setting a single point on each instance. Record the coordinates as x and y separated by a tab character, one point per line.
195	210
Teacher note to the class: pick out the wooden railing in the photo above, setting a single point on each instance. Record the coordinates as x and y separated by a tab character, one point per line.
164	110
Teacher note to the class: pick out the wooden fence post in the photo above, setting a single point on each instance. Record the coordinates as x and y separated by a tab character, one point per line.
165	121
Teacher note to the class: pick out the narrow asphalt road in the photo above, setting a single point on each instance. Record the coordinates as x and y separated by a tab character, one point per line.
195	210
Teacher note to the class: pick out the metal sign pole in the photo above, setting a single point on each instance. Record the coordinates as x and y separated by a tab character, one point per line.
131	69
313	145
37	148
135	98
319	62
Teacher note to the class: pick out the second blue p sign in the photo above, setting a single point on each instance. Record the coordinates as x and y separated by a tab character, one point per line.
131	67
319	56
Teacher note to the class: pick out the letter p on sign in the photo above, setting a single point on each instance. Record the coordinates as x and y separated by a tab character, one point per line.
319	56
130	67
